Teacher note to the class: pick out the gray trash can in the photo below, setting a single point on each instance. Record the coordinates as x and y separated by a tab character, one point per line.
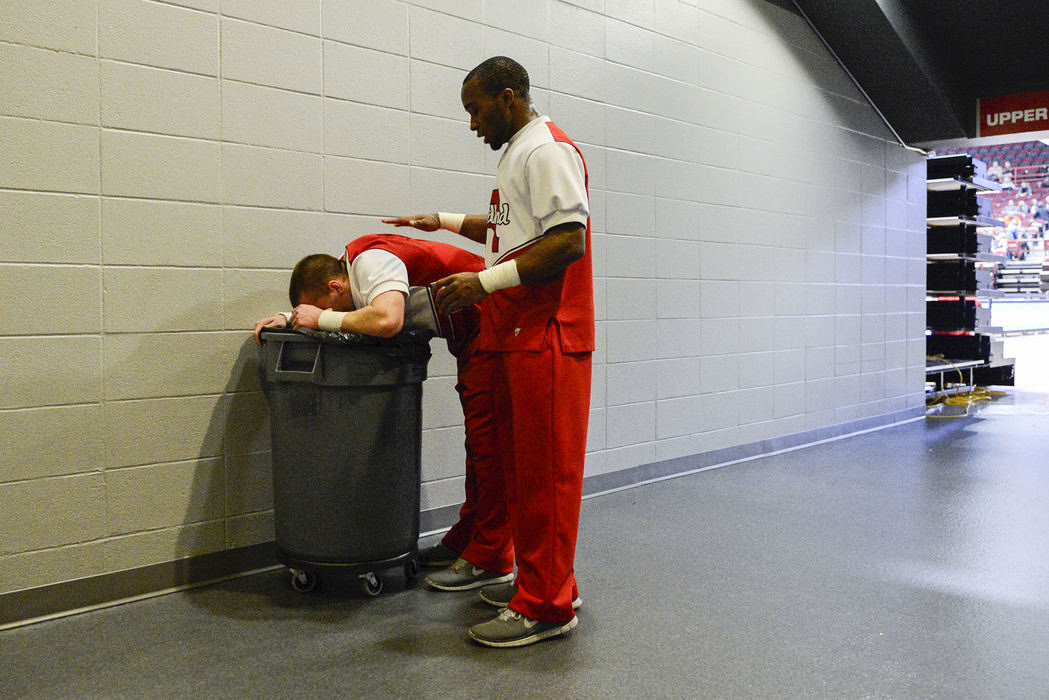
346	423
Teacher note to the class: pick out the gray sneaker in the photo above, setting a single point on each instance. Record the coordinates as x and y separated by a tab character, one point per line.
437	556
462	576
512	629
501	595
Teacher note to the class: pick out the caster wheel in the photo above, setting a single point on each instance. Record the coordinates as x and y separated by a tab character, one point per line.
371	584
411	571
304	581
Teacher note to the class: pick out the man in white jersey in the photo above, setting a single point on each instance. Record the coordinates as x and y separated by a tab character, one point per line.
537	318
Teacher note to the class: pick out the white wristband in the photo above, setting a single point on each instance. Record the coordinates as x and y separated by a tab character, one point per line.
330	320
451	222
500	276
286	315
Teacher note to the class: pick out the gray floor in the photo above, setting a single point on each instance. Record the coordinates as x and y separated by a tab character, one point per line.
911	562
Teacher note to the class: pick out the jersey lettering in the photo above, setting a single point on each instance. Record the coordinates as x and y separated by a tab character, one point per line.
498	215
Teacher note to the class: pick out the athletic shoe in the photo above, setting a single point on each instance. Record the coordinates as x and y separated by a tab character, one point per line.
437	556
462	576
501	595
512	629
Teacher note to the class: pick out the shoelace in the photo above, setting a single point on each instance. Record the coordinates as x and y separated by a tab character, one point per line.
461	565
506	614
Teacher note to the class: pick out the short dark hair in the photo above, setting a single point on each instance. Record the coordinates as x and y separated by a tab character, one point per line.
312	274
500	72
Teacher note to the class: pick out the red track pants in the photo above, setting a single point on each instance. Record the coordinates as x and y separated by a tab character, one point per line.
543	401
482	536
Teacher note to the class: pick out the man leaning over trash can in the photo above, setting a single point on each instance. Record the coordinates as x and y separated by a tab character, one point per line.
379	286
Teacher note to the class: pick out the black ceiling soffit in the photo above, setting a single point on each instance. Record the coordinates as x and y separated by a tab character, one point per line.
926	63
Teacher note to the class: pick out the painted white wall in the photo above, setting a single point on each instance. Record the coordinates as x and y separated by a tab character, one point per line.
758	237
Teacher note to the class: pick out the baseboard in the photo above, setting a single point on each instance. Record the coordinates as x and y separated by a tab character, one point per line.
45	602
680	466
438	519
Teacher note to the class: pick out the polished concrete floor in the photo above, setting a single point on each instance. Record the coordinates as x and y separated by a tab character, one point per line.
910	562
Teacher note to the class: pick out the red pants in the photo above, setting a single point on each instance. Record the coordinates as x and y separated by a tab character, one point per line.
482	536
544	407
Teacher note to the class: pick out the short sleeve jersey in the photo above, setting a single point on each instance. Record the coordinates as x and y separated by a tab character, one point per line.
541	182
380	263
374	272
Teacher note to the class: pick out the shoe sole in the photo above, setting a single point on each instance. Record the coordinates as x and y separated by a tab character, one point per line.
471	585
576	604
530	639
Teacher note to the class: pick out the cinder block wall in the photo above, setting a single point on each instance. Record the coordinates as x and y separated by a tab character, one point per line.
758	237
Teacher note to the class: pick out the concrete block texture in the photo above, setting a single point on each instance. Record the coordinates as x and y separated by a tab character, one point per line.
434	90
159	35
256	237
34	434
444	39
577	27
264	55
162	233
160	167
248	295
23	286
165	495
366	131
44	84
373	24
50	371
155	365
51	512
349	73
303	17
39	227
150	431
70	26
148	547
270	177
757	240
48	156
263	116
356	186
179	299
143	98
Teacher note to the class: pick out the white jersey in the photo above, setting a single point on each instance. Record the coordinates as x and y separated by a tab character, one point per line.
374	272
540	184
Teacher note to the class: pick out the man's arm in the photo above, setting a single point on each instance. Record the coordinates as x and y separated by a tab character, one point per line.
474	226
384	317
559	247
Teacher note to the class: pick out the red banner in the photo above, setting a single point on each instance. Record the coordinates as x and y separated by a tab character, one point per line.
1013	114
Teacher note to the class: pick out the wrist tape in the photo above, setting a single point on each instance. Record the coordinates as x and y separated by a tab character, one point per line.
500	276
330	320
451	222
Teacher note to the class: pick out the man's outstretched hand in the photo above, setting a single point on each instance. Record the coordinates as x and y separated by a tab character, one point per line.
423	222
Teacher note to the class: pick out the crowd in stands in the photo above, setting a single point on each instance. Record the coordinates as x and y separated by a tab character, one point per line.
1022	170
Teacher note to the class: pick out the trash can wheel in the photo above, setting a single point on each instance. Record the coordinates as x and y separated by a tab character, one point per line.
304	581
371	584
411	571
